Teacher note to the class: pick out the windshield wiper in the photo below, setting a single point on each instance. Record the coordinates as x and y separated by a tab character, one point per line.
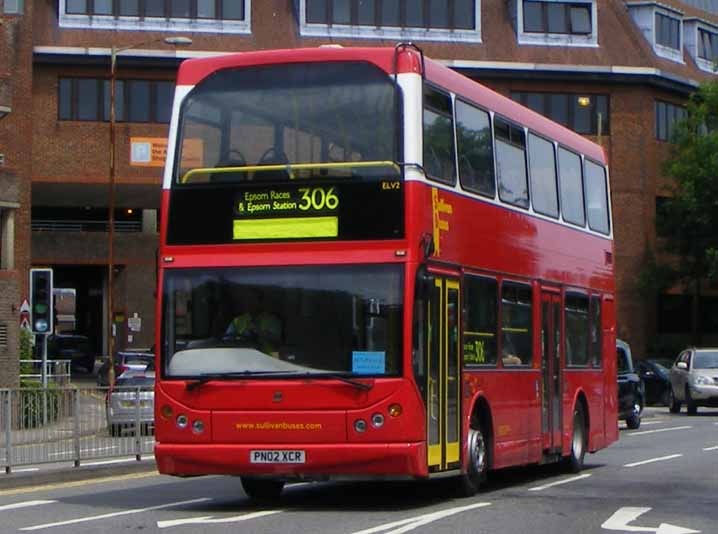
206	377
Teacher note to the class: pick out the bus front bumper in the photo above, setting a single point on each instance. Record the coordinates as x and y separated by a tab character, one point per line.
320	461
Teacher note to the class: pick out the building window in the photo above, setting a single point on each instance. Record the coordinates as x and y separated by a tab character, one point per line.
667	117
88	99
585	114
430	19
707	45
668	31
7	238
14	7
557	17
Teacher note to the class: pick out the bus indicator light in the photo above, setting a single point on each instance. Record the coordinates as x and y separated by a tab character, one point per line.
395	410
166	411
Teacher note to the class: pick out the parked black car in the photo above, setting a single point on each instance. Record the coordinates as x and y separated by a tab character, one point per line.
73	347
631	395
656	381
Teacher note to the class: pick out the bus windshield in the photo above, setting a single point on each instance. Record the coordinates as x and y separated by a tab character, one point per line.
244	321
342	118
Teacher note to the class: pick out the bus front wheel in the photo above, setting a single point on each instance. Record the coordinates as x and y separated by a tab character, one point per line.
478	462
262	489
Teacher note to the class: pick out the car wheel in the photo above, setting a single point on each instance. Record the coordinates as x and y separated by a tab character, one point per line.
691	406
674	405
633	421
262	489
478	462
579	440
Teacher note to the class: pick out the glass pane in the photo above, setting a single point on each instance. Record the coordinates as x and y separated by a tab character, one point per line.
129	8
596	198
317	11
464	14
415	13
544	190
341	12
582	116
558	108
438	14
476	159
661	132
511	164
580	19
103	7
87	99
14	7
390	13
595	332
438	137
576	330
366	12
180	9
64	98
234	10
164	91
516	347
119	100
139	97
480	313
533	17
602	123
557	21
535	101
293	320
572	206
76	7
206	9
155	8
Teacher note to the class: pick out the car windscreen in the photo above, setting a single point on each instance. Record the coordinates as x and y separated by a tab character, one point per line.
705	360
308	319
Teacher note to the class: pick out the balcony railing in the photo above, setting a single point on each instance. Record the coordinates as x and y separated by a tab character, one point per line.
65	225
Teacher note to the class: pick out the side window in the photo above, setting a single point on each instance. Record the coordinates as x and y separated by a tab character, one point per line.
577	332
511	163
596	198
516	346
480	320
594	323
475	149
542	166
439	161
572	206
622	360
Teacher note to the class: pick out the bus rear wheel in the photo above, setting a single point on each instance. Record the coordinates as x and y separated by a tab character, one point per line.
574	461
262	489
478	462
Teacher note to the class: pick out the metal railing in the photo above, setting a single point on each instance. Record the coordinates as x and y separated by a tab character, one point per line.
61	424
56	371
56	225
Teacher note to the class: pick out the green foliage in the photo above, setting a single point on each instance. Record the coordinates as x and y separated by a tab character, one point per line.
25	352
32	402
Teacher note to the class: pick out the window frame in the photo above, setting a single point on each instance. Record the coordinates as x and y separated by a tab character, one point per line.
589	39
545	22
521	285
451	116
547	108
581	187
578	294
532	197
606	196
512	126
672	114
475	107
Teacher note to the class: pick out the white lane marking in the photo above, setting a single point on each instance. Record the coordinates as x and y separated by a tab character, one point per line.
659	430
414	522
559	482
654	422
70	453
25	504
115	514
652	460
26	470
120	461
711	448
212	520
620	519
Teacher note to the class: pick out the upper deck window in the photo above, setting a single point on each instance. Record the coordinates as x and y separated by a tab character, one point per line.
571	179
596	197
475	150
552	22
511	163
439	153
225	16
433	20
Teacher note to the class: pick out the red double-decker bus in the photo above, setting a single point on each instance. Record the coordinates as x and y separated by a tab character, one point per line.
372	266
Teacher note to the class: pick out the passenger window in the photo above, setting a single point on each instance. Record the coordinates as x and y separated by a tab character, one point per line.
596	198
542	165
474	146
572	206
576	324
516	346
595	331
511	163
480	320
439	160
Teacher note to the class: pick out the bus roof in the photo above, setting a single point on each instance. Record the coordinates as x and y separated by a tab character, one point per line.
192	71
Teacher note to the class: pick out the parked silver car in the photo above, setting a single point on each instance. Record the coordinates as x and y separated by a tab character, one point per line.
694	380
131	402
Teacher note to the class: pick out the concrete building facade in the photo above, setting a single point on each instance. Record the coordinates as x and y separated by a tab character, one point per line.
617	71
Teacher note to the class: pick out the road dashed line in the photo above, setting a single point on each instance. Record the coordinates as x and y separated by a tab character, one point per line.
653	460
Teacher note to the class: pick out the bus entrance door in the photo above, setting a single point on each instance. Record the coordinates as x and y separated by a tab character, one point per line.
442	373
551	370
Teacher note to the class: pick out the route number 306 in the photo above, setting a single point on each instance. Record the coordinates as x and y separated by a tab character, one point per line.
318	198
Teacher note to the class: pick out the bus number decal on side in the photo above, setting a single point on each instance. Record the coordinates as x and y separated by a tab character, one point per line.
474	352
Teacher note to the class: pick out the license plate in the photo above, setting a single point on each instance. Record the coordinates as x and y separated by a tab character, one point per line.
276	457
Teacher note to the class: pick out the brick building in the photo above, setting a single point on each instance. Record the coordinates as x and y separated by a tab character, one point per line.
618	71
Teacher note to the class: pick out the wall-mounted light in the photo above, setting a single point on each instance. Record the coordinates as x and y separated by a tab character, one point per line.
584	101
4	111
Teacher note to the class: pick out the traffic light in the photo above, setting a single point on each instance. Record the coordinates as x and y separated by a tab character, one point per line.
41	306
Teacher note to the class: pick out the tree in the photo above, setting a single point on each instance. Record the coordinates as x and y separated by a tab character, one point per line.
688	221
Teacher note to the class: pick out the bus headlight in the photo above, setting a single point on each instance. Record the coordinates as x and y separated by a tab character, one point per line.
377	420
197	426
182	421
360	425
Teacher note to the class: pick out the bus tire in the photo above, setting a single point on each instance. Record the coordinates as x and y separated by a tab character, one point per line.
262	489
579	441
478	462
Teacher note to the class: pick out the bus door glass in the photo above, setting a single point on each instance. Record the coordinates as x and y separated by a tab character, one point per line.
551	370
440	345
